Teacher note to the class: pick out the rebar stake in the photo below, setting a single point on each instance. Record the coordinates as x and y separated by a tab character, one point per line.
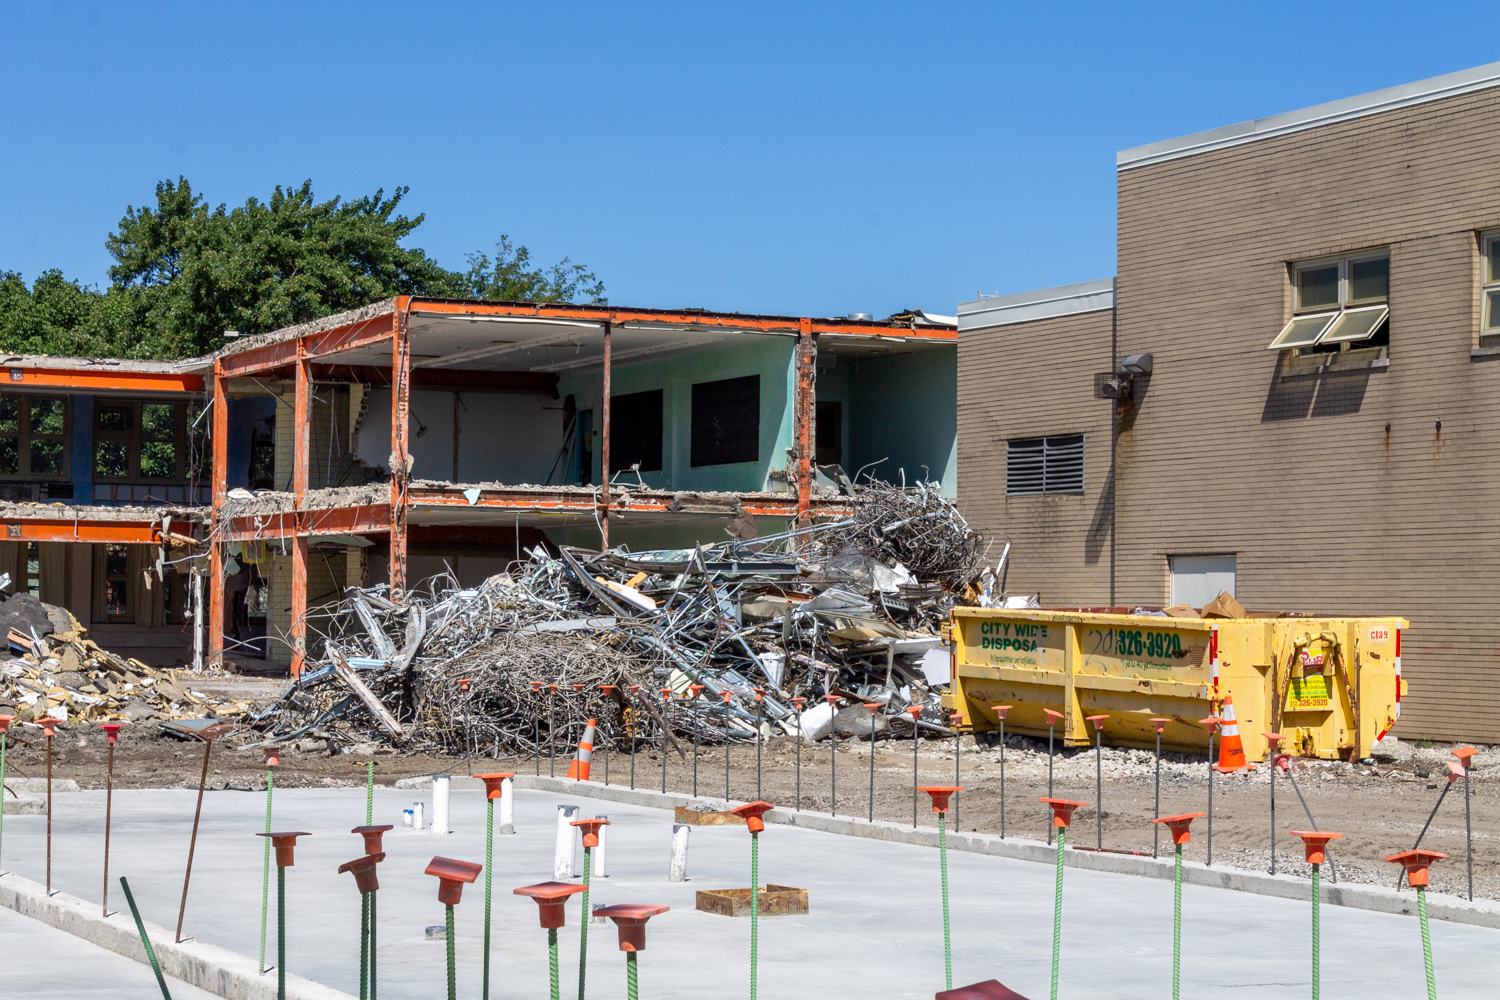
1414	867
1160	724
760	732
1052	718
536	747
272	759
140	926
285	844
1000	711
1212	722
630	923
48	725
725	696
958	749
550	897
666	702
872	707
5	721
1062	814
608	690
914	711
1315	844
634	727
452	876
207	735
833	755
940	796
1181	834
1098	721
1465	757
590	829
1273	744
551	733
752	812
1284	762
111	730
798	703
696	689
494	787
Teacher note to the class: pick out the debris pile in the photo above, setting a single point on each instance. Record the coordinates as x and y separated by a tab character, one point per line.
850	608
56	670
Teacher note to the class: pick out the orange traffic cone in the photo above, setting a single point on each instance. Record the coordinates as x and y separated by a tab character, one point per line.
1231	747
579	769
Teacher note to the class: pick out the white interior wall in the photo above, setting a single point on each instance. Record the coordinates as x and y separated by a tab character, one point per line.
503	437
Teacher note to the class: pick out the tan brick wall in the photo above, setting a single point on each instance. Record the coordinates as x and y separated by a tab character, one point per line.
326	578
1325	510
1061	541
330	402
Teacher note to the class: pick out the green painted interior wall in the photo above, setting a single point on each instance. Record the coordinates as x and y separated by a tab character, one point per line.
770	357
646	537
903	409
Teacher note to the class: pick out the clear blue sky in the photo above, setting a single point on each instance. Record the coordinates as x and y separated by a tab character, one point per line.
798	158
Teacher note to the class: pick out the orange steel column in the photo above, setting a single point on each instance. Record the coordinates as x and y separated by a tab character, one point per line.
804	415
219	431
400	413
604	445
301	433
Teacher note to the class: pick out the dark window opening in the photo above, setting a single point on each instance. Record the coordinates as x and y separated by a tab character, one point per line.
34	434
830	434
726	422
1035	466
263	454
635	431
116	583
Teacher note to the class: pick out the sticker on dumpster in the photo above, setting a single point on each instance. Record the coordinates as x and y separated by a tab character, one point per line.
1021	644
1307	693
1311	659
1379	633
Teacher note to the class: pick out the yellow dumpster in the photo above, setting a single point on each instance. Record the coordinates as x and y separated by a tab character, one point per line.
1331	686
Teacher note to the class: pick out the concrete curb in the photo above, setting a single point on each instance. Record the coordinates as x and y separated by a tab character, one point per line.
1361	897
206	966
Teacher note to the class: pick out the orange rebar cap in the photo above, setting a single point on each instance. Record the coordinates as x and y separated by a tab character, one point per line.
372	835
833	699
1210	722
630	920
536	687
550	897
752	813
608	689
48	724
940	794
1315	844
1465	756
284	843
590	829
915	711
1179	824
364	872
1000	711
552	689
697	689
493	783
273	756
1062	810
872	706
1052	717
1273	738
1097	720
799	702
112	730
578	688
1160	724
5	721
464	682
726	695
1415	863
452	874
1454	772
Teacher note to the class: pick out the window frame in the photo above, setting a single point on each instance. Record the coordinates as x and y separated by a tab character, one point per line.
135	437
1046	441
1489	284
706	454
24	437
1336	311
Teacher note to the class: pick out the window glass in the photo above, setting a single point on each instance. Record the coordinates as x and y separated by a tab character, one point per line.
1493	255
1318	286
114	596
158	421
115	560
10	415
158	459
1302	331
114	418
46	416
1369	279
725	422
112	459
1355	324
10	456
46	458
1492	313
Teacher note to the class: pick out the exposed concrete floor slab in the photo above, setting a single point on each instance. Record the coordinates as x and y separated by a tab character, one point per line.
874	927
42	961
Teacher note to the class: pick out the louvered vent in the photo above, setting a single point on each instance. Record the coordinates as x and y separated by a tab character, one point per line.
1034	466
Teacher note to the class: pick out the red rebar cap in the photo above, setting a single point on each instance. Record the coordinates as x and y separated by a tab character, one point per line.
666	693
552	689
1097	720
372	835
752	813
607	689
112	730
872	706
633	687
630	920
799	702
550	897
452	874
697	689
1160	724
364	872
1179	825
5	721
1415	863
273	756
1315	844
1052	716
590	829
1273	739
1454	772
536	687
578	688
284	843
759	693
726	695
832	699
48	724
940	794
915	711
1210	722
1000	710
957	719
464	682
493	782
1465	756
1062	810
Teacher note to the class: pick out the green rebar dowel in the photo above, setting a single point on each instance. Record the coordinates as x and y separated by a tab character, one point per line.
1426	943
489	858
754	914
372	946
161	980
943	863
552	962
452	982
1177	924
370	793
1057	911
265	871
583	931
364	946
1316	948
280	933
632	988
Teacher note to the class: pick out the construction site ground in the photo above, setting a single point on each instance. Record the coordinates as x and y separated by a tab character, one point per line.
874	926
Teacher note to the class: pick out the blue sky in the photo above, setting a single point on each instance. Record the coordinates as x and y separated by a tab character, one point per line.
799	158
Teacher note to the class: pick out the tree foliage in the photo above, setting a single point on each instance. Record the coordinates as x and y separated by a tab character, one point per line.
185	272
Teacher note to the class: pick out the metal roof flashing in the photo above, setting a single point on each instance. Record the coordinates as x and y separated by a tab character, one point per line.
1046	303
1376	102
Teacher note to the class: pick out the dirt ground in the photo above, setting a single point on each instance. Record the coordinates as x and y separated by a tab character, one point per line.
1379	809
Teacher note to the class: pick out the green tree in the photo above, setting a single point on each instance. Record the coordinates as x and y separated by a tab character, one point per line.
508	278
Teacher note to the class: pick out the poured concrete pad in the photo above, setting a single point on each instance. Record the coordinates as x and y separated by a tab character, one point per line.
876	929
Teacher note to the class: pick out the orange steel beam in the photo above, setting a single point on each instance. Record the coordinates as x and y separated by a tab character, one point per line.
103	379
672	317
366	520
400	474
604	447
804	414
363	333
98	532
220	434
758	506
301	432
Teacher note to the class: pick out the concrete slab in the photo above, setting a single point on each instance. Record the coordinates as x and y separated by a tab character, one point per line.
874	926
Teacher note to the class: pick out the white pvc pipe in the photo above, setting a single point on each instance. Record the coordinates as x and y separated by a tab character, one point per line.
507	807
563	854
418	822
598	862
441	785
677	872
